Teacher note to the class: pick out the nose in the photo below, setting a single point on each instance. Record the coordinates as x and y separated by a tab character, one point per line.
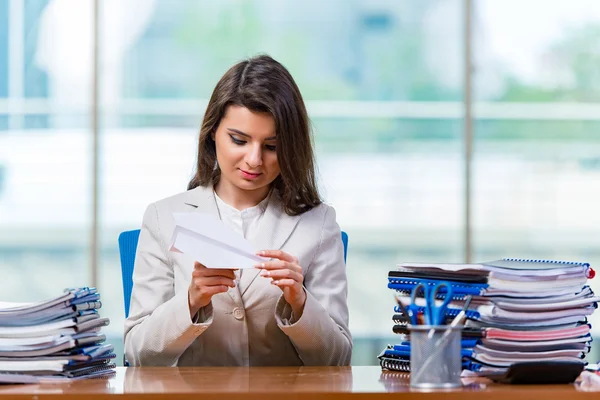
254	157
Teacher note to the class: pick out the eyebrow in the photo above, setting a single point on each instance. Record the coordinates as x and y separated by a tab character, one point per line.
248	136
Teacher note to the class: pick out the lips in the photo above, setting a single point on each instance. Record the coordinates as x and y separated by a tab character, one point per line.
250	175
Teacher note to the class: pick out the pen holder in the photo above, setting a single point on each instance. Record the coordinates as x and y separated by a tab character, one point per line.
435	356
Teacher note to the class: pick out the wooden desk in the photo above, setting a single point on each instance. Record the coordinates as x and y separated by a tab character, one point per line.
276	383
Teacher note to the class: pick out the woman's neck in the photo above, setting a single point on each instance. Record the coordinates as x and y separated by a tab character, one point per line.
238	198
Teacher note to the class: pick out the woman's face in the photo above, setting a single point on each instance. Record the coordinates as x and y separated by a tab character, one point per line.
246	149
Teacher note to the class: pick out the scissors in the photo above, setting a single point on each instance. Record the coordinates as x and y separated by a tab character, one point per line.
434	314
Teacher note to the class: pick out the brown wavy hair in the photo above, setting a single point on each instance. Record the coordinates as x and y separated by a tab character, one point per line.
262	84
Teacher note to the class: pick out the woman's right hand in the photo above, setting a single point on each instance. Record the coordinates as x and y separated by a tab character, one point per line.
206	282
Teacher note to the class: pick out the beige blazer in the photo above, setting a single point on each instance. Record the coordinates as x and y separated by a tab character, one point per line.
254	327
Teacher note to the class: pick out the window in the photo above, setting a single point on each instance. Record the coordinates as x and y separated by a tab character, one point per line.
383	82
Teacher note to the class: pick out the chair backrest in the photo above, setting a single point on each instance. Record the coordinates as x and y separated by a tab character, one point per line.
128	242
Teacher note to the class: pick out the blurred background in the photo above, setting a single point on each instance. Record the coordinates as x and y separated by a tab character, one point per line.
96	124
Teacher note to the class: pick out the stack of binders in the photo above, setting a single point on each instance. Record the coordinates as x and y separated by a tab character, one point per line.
54	340
521	311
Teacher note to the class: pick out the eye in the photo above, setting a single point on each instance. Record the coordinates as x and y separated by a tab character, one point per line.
237	141
271	147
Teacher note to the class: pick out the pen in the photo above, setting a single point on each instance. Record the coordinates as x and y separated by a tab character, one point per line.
462	315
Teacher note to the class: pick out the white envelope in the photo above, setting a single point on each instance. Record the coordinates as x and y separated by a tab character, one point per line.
206	239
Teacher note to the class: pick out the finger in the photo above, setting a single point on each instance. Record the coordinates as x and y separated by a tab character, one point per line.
213	281
279	264
282	274
212	290
228	273
208	273
218	280
281	255
284	282
220	272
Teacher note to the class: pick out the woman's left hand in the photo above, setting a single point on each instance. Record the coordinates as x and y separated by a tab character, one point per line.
286	273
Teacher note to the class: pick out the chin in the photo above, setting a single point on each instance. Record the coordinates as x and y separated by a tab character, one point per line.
249	185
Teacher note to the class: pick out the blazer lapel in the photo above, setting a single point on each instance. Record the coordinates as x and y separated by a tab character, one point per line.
275	228
203	200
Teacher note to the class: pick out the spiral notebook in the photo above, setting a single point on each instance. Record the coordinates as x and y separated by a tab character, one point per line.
505	266
533	264
397	358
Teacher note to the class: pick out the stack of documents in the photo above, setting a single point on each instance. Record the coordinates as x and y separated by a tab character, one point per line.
521	310
54	340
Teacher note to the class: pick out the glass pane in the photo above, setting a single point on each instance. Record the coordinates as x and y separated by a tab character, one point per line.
45	174
555	60
143	166
359	50
537	164
398	194
3	51
536	185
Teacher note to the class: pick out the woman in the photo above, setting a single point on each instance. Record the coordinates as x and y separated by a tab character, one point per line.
255	171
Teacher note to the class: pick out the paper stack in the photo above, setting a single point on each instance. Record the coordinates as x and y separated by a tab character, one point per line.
521	311
54	340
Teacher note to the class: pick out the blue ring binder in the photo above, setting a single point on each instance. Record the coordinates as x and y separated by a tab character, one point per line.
450	312
459	288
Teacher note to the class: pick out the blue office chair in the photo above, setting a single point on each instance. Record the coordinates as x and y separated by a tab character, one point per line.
128	242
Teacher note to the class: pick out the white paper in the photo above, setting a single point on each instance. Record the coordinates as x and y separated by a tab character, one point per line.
34	330
206	239
43	365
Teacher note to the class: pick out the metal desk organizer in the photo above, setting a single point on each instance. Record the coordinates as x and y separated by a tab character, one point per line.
435	349
435	356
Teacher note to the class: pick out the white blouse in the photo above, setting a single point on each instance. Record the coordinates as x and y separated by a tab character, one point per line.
245	222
